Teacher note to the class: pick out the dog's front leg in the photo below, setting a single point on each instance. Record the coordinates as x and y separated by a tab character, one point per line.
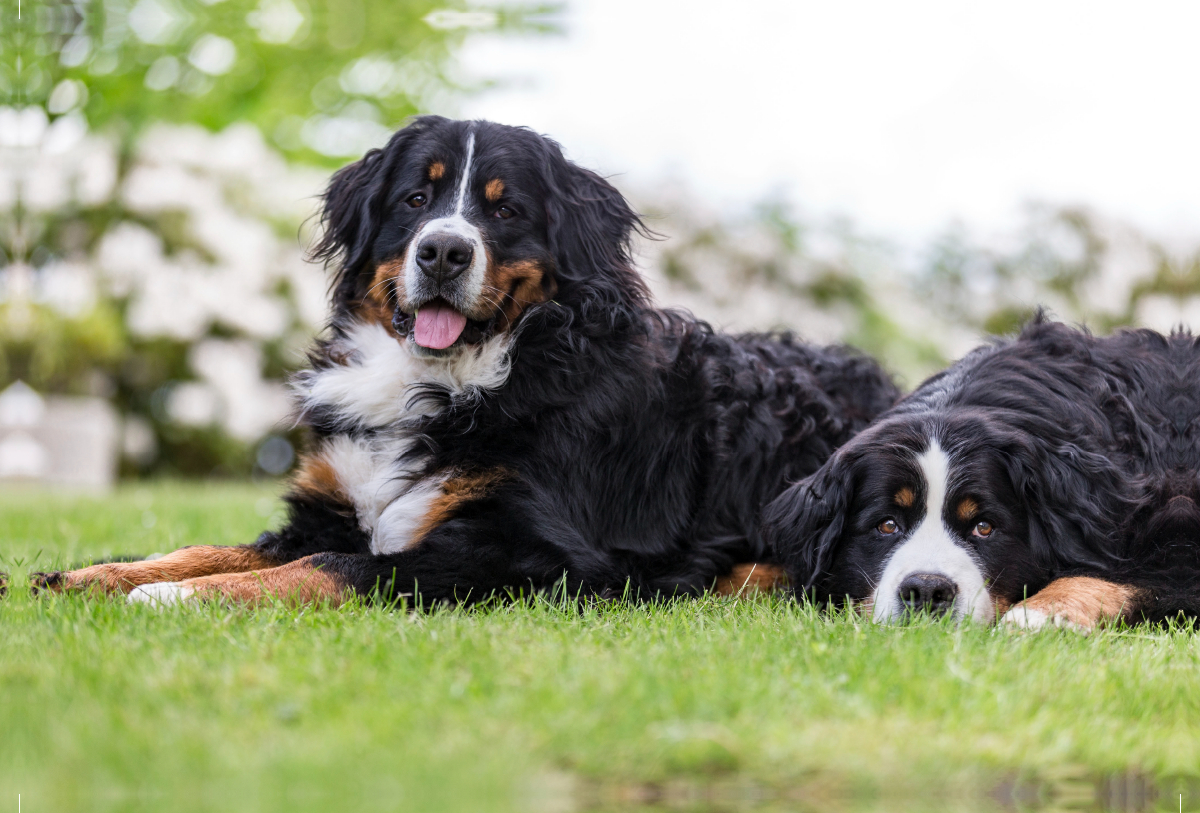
185	563
1075	602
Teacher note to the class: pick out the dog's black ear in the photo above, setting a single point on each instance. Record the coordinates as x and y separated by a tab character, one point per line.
353	207
1078	502
590	229
350	217
804	526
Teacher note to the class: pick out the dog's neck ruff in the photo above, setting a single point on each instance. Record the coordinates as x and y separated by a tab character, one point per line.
372	399
373	387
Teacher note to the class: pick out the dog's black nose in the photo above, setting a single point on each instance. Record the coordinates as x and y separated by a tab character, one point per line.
444	256
927	592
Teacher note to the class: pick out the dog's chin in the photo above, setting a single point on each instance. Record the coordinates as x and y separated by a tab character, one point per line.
421	352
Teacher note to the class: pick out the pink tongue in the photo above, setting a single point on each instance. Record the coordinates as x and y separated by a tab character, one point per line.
438	326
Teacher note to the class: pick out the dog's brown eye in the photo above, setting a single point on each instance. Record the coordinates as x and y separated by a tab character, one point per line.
983	529
417	201
504	213
888	527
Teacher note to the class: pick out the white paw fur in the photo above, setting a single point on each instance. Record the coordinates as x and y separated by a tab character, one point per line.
160	594
1021	617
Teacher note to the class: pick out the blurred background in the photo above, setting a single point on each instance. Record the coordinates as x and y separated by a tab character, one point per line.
903	177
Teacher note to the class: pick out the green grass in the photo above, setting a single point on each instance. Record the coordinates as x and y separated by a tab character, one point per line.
711	704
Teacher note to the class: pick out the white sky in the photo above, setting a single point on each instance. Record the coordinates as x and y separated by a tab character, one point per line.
903	115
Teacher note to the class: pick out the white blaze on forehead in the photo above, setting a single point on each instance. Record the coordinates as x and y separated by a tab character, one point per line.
466	176
471	283
931	548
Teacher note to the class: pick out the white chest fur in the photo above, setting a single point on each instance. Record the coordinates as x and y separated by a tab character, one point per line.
373	390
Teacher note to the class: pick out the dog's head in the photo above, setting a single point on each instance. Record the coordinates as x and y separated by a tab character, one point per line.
960	514
455	229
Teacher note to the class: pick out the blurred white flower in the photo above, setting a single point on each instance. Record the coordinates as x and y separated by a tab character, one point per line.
343	135
66	96
251	406
213	54
277	21
67	287
193	403
127	254
162	73
157	22
171	302
22	126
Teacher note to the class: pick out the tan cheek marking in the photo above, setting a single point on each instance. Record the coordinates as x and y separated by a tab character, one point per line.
457	492
967	509
522	283
904	498
436	170
751	578
295	583
378	303
1083	600
493	190
185	563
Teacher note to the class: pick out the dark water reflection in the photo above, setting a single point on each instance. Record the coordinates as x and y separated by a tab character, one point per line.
1068	791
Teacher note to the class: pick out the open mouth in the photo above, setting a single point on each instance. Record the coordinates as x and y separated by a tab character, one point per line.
437	325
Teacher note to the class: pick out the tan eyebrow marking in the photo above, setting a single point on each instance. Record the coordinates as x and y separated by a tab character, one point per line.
905	498
436	170
967	509
493	190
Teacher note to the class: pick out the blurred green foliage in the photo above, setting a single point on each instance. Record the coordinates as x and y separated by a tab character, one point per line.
306	72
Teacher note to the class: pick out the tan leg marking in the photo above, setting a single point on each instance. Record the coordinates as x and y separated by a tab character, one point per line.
1078	602
751	577
317	479
457	492
185	563
296	583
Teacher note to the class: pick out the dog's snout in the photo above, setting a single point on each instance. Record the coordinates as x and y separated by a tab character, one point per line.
927	592
444	257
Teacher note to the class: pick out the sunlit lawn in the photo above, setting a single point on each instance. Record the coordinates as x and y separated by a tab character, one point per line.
713	704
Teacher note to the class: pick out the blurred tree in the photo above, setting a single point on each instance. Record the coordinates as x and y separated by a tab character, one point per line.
322	79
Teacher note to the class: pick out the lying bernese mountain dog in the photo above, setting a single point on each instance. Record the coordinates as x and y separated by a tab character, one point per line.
497	406
1048	480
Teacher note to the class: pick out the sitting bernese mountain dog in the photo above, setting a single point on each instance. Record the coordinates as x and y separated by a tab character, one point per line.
1052	479
497	407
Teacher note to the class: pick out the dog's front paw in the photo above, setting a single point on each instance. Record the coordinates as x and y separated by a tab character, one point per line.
1029	618
3	585
48	582
160	594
